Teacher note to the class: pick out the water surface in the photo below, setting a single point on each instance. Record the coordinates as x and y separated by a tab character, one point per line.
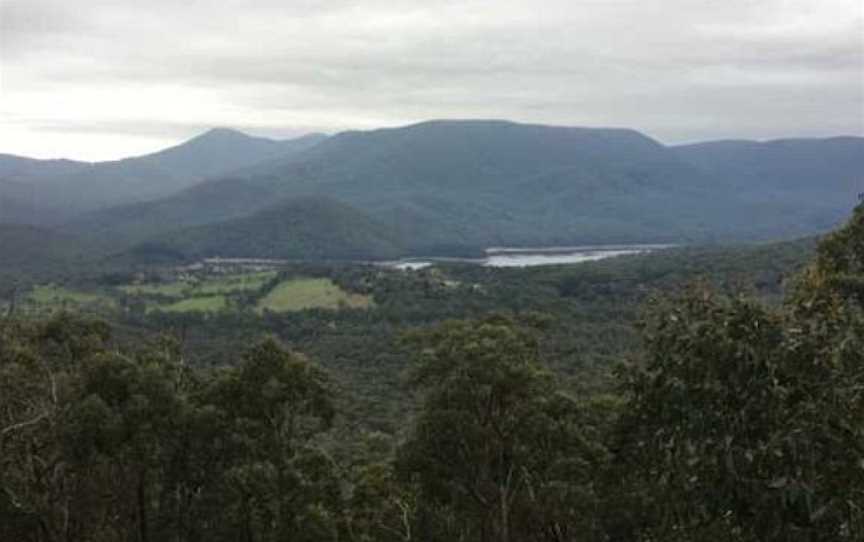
533	256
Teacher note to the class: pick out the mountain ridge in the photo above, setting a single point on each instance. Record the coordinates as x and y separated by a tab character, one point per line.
479	183
311	228
450	184
75	188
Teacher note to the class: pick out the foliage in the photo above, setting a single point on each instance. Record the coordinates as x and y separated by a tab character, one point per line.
303	228
744	422
96	444
497	451
737	418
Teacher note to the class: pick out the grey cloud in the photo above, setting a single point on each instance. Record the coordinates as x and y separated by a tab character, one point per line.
679	69
26	26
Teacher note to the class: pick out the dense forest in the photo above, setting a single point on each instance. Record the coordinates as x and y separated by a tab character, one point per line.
598	402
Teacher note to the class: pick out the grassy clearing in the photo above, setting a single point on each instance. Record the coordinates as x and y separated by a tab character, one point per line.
171	289
235	283
211	286
300	294
213	303
55	297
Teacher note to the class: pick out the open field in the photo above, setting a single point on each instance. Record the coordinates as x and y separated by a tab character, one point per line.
310	293
213	303
212	285
235	283
52	297
172	289
201	294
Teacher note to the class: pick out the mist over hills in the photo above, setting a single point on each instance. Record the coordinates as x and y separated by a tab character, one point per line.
445	187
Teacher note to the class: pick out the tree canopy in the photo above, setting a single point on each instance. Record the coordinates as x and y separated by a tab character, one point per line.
736	420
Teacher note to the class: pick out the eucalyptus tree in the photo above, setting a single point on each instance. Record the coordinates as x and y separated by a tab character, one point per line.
497	451
744	422
274	483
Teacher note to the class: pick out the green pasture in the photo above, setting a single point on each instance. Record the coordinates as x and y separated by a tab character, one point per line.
212	303
52	297
310	293
210	286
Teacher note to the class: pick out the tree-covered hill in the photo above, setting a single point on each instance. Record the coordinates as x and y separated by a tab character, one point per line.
21	168
481	183
57	190
29	255
15	208
223	150
30	246
818	178
207	203
306	228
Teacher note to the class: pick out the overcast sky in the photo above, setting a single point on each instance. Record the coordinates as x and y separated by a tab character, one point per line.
98	79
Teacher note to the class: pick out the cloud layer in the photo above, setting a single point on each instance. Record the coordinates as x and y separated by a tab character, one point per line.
100	78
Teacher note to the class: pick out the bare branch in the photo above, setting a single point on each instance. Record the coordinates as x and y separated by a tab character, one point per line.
22	425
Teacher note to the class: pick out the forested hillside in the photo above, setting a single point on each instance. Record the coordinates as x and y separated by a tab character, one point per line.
305	228
824	173
29	255
21	168
444	188
56	190
462	402
448	185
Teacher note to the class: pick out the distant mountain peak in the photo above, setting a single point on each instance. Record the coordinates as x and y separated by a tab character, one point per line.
230	136
223	130
492	123
222	133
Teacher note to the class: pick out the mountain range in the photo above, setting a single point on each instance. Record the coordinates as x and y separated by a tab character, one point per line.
49	192
438	187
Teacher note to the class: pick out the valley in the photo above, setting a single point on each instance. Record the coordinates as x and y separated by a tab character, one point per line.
412	271
259	285
379	290
443	189
340	244
168	291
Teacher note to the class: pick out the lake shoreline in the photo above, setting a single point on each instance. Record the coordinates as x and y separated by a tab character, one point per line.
530	256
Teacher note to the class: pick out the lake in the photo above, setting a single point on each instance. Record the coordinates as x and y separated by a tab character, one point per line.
533	256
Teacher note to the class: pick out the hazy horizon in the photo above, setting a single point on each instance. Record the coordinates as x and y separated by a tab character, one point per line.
102	80
269	134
